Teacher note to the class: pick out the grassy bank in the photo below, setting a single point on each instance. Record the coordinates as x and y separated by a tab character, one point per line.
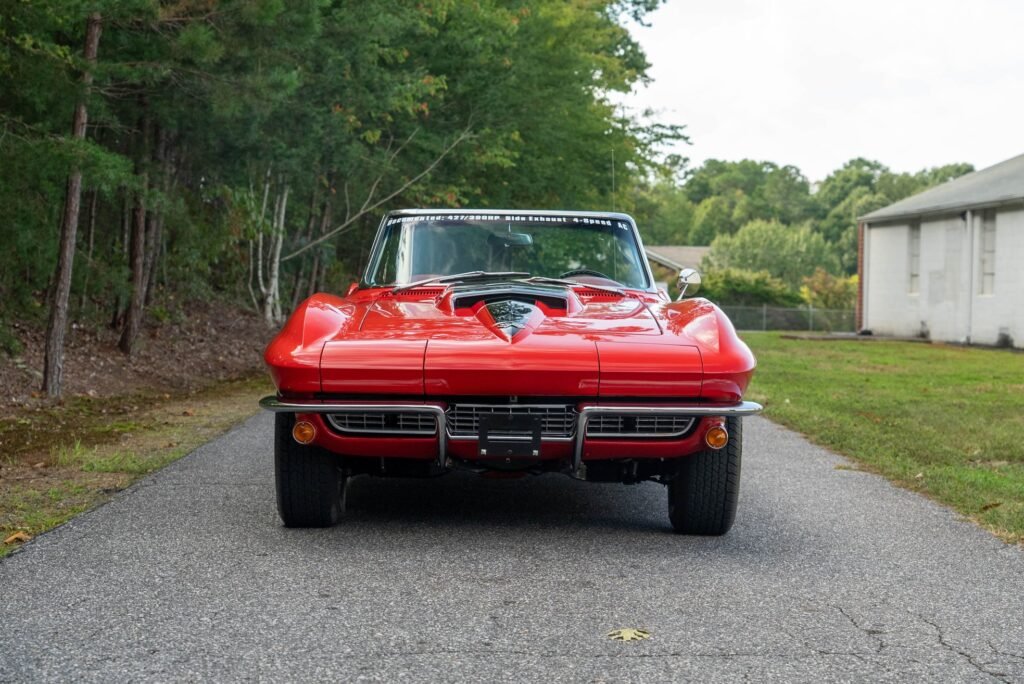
942	420
56	462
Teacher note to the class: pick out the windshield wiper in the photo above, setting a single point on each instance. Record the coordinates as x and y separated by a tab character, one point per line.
468	275
574	283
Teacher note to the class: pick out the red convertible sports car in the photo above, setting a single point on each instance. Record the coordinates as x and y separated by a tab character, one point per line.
510	343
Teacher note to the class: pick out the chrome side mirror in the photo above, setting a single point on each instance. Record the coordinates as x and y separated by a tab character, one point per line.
689	283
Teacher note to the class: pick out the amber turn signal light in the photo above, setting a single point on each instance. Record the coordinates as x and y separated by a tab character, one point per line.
717	437
303	432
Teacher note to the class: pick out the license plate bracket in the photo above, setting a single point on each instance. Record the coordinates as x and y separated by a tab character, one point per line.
504	435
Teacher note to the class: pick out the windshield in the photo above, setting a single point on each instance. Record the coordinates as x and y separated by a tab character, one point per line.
591	249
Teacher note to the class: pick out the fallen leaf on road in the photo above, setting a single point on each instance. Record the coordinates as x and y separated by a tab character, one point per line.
629	634
18	536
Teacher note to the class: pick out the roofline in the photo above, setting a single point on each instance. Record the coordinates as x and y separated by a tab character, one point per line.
663	260
940	211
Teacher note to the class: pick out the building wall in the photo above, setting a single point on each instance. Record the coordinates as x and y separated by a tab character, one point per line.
948	305
1003	310
889	307
945	278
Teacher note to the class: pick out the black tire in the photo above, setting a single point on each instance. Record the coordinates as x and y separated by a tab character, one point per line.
310	483
702	498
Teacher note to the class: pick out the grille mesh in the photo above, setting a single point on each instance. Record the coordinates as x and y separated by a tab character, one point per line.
557	421
381	422
657	425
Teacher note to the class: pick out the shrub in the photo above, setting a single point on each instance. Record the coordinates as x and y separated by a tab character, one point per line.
789	253
737	287
826	291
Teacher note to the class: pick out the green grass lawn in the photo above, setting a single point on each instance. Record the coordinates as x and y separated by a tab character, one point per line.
943	420
59	461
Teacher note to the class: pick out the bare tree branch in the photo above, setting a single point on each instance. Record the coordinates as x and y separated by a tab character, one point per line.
367	209
387	163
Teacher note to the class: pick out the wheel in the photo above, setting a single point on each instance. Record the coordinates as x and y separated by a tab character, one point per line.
702	498
310	484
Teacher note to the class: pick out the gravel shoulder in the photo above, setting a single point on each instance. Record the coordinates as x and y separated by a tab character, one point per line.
829	573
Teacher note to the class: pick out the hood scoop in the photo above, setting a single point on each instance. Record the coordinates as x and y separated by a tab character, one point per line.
509	319
553	297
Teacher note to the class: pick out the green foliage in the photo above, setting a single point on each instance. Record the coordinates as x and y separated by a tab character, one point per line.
718	198
789	253
351	105
346	103
665	215
826	291
861	186
730	194
739	287
9	343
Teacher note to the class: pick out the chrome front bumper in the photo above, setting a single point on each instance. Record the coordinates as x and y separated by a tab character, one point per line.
743	408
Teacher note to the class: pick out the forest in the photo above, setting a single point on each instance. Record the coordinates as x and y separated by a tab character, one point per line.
157	152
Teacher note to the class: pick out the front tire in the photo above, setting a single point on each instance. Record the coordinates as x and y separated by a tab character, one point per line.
703	497
310	483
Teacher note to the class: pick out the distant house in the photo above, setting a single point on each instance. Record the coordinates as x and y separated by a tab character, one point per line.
676	257
667	260
948	263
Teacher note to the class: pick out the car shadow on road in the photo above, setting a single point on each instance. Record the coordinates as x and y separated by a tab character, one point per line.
556	508
551	501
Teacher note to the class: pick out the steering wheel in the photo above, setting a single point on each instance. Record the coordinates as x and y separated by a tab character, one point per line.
585	271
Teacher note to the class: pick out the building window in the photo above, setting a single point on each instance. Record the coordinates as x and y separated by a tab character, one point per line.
988	251
914	251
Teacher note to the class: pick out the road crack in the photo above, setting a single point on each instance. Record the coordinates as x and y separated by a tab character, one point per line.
1008	654
815	651
874	634
952	648
725	655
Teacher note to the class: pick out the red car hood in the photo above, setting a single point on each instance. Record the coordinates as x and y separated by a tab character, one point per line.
557	345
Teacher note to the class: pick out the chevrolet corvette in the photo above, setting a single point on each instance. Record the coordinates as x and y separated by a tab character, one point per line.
510	343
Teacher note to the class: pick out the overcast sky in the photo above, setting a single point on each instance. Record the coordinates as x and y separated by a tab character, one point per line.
911	83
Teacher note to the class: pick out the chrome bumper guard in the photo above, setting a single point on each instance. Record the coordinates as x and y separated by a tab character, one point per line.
744	408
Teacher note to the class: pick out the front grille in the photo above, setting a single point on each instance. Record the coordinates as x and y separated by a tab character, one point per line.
383	422
557	421
649	425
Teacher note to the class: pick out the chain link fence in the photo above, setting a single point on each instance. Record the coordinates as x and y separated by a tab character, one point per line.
801	318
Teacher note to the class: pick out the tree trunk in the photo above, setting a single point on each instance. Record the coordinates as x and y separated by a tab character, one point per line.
93	201
136	303
133	316
259	237
300	275
272	301
155	219
316	279
53	363
121	245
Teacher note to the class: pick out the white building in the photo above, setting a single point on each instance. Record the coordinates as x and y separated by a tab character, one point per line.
948	263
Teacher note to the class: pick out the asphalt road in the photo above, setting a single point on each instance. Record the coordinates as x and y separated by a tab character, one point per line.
828	574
